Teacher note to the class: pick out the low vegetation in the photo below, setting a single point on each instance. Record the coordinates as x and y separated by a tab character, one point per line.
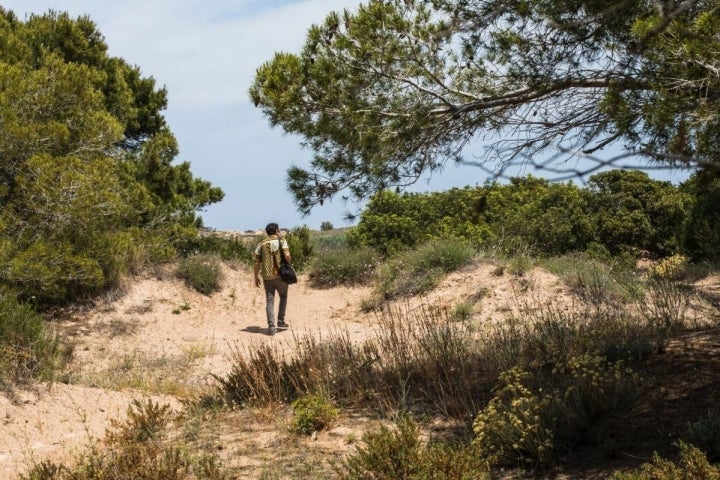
100	197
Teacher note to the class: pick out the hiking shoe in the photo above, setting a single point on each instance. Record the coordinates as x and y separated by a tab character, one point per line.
271	331
283	325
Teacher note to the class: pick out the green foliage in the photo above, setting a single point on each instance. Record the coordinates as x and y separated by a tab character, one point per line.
705	435
693	465
392	222
392	91
301	246
636	212
202	272
416	271
343	267
28	349
398	453
618	212
226	248
312	413
533	422
702	229
326	226
88	191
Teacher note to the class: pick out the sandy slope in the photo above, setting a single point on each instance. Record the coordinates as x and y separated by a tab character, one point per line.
158	317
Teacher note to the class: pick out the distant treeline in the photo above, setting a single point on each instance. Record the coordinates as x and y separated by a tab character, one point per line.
617	212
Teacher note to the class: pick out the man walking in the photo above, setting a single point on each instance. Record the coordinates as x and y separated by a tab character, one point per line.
267	261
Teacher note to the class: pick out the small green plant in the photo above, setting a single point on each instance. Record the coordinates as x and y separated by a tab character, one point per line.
183	307
519	265
202	272
325	226
462	311
313	413
705	435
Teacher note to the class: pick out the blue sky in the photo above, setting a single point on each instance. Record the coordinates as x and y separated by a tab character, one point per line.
205	52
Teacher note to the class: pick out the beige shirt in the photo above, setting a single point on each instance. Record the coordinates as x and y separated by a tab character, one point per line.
265	252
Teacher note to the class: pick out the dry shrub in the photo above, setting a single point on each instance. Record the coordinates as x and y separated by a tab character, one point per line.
138	448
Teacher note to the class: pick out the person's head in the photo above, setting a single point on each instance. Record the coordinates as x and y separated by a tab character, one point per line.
272	228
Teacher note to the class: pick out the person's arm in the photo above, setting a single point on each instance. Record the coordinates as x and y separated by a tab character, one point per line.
256	271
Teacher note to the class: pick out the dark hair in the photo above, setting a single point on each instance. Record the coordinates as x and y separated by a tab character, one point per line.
272	228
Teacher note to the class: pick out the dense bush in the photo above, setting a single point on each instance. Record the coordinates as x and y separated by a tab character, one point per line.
701	235
534	419
393	222
301	246
620	211
231	248
635	212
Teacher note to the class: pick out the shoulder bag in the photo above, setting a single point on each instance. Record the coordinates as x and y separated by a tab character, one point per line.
286	270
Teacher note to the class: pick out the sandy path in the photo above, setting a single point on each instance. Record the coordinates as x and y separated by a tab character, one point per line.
157	316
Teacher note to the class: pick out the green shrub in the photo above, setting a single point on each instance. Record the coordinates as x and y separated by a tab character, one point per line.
693	465
27	348
313	413
518	425
533	419
343	267
301	246
463	311
399	454
202	272
519	265
705	435
325	226
417	271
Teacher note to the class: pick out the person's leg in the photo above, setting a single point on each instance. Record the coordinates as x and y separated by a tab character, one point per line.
282	289
270	303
